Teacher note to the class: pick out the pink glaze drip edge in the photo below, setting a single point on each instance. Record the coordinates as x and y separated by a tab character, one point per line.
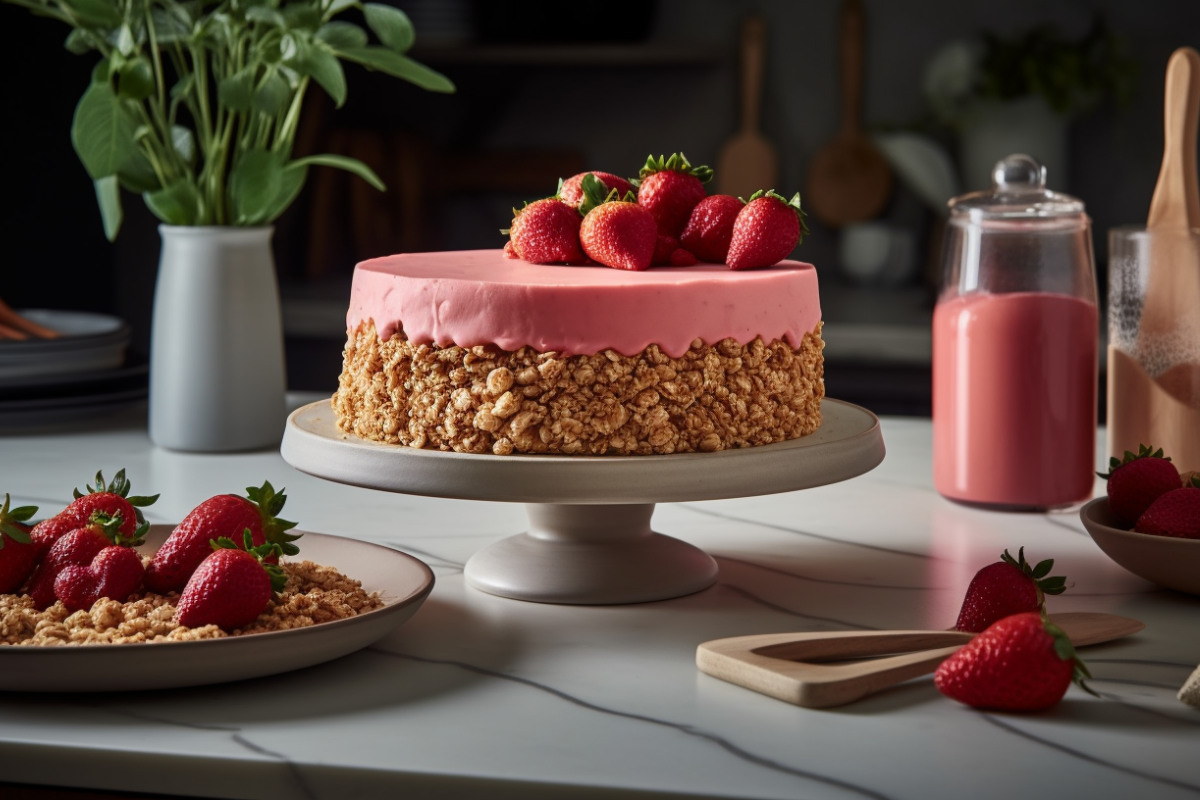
478	297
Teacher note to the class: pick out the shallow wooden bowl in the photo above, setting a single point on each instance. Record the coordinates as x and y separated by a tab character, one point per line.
1169	562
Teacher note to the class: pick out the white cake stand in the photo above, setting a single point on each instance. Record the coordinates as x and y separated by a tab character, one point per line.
589	539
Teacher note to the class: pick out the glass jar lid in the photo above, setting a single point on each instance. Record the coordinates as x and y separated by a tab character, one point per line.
1018	193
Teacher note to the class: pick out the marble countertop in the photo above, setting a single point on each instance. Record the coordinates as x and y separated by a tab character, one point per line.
482	696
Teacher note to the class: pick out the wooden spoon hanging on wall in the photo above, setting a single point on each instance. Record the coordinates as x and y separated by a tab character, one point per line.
748	162
848	180
1172	305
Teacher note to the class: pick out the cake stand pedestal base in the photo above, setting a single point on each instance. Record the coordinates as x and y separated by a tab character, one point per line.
591	555
589	539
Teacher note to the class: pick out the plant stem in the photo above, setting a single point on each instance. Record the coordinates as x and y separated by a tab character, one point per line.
287	131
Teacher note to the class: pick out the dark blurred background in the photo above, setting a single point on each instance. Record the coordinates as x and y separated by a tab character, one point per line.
549	89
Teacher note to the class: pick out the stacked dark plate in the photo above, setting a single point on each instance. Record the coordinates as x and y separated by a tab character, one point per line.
84	372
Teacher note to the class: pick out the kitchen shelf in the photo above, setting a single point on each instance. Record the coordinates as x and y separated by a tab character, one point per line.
660	54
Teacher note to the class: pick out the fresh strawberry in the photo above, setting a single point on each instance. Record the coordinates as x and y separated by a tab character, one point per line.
114	572
1175	514
18	554
1009	586
112	499
1021	663
619	233
232	586
546	232
682	258
664	246
709	229
669	189
78	548
223	515
1137	481
766	230
571	190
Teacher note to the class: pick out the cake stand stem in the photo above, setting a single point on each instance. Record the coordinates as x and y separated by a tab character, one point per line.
591	555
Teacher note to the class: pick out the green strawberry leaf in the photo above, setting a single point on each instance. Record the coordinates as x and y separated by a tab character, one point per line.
1043	568
676	162
595	193
9	518
1144	451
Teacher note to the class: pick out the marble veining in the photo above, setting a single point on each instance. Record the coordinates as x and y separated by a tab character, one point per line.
486	696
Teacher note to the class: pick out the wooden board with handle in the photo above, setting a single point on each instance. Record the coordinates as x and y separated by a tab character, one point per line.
788	666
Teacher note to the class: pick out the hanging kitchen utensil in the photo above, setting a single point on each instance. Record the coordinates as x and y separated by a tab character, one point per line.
748	162
848	180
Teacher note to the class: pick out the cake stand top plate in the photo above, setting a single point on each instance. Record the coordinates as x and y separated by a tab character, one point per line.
847	444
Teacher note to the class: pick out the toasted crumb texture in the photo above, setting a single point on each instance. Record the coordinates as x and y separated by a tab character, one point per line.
313	594
487	400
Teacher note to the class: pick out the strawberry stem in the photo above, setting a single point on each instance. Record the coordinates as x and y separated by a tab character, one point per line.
676	162
1056	584
10	519
1065	650
1144	451
270	503
793	204
261	554
119	486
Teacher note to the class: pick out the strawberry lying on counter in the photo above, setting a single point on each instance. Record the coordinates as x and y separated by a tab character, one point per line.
1009	586
1023	662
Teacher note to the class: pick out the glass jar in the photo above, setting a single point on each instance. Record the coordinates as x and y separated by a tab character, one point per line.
1015	340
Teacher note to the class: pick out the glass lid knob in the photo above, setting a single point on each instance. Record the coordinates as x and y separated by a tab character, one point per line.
1019	174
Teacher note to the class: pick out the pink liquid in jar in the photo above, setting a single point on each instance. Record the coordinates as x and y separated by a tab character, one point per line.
1014	399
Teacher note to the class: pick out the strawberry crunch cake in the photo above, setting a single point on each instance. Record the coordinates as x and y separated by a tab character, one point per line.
476	352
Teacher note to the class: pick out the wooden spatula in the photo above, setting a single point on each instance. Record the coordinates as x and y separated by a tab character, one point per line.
848	180
748	162
1172	306
787	666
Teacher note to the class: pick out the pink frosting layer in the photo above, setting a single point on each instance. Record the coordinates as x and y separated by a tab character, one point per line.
476	297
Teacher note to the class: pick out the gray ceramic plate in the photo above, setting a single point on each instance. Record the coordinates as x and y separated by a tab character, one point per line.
1173	563
402	581
88	342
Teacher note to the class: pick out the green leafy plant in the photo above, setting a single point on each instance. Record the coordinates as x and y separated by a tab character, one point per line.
195	104
1070	75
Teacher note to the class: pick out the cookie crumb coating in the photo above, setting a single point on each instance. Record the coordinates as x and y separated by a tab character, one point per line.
313	594
484	399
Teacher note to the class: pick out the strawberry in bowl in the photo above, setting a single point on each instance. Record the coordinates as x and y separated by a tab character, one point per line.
1149	522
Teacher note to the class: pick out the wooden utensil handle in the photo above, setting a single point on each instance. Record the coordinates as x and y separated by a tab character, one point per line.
1176	201
12	319
814	648
754	35
858	681
852	32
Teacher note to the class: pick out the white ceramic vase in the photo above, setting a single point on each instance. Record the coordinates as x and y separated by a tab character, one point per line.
217	377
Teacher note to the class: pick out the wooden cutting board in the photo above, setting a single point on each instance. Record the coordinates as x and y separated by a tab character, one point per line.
748	161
